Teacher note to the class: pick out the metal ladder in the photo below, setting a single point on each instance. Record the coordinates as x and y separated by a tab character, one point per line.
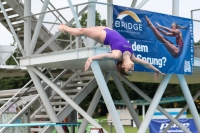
15	10
74	88
78	86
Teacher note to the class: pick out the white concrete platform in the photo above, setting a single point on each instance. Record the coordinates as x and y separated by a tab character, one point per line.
75	59
12	71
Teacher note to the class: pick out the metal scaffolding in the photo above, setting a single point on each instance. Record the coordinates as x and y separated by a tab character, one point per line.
40	49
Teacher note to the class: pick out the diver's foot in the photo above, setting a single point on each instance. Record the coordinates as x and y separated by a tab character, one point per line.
148	21
62	28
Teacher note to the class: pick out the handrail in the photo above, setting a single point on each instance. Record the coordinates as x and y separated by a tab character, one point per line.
57	12
19	97
197	51
33	100
16	94
64	8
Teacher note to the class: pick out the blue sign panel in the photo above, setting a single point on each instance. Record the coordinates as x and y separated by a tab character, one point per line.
159	125
163	40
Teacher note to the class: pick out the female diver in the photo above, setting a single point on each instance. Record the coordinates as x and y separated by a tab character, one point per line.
174	50
121	49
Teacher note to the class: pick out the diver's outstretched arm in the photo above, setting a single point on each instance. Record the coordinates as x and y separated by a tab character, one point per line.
101	56
165	33
147	65
168	29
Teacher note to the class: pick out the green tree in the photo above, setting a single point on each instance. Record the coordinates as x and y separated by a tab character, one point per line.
98	21
11	61
13	82
197	43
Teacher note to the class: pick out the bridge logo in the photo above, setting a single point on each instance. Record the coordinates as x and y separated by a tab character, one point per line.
129	13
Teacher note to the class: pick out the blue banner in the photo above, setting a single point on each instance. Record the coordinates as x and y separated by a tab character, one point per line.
159	125
163	40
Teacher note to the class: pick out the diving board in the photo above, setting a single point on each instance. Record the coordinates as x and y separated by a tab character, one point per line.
75	59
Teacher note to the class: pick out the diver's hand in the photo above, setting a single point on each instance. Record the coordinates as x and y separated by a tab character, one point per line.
88	63
157	74
158	24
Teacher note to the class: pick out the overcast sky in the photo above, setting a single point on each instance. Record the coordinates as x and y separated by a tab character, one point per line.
161	6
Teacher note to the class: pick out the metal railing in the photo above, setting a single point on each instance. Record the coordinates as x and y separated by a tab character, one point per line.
128	125
197	51
196	22
106	124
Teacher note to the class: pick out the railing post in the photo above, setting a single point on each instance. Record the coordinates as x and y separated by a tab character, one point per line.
110	127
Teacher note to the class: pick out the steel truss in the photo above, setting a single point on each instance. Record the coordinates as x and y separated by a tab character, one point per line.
99	79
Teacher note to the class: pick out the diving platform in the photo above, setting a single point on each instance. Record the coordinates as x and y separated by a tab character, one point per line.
12	71
75	59
6	52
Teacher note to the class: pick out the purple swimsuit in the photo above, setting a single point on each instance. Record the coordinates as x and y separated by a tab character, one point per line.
116	41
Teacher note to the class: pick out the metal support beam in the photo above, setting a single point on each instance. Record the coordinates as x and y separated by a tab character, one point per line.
12	29
134	2
142	94
92	106
74	14
49	109
189	100
175	7
27	26
106	96
66	98
154	103
126	100
78	25
181	112
38	26
91	19
143	111
109	13
58	33
142	4
31	102
15	60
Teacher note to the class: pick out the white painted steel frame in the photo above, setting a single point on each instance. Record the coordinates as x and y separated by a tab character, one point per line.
147	98
181	112
134	2
66	98
12	29
154	103
91	20
93	105
38	27
76	18
109	13
189	100
107	97
46	103
126	99
46	44
31	102
141	4
27	27
95	66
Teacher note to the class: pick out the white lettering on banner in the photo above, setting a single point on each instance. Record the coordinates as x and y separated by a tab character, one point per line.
139	48
130	26
160	62
164	125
